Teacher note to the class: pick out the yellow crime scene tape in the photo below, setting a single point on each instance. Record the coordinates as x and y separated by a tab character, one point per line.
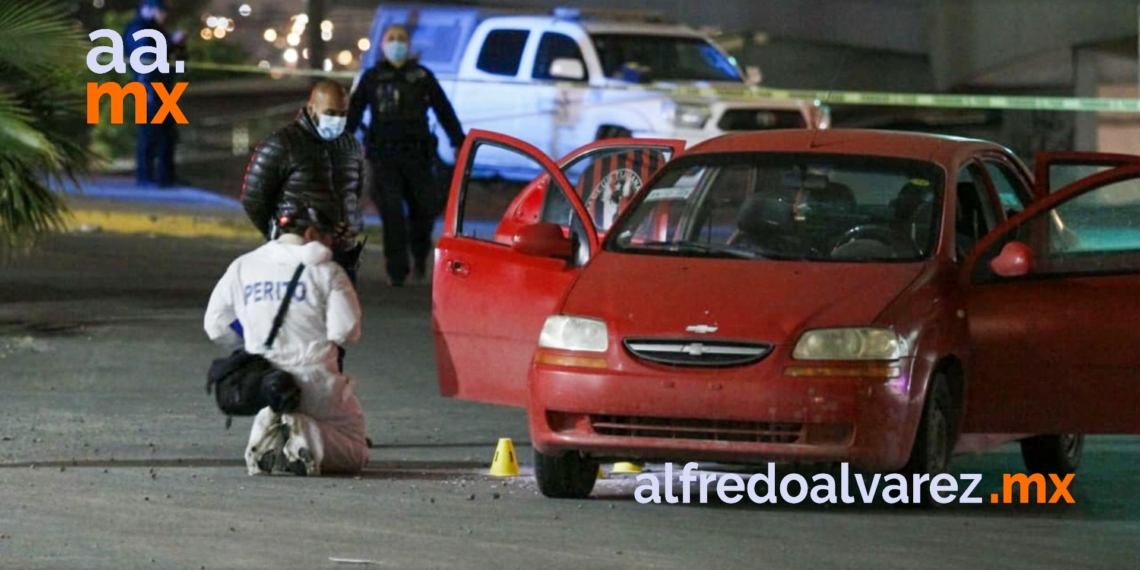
745	93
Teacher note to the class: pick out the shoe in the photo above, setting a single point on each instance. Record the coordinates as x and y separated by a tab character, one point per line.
303	466
419	274
266	455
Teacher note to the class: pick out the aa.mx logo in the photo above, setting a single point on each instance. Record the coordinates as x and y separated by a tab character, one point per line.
144	60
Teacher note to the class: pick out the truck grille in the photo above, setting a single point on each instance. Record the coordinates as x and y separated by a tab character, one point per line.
711	430
689	352
760	120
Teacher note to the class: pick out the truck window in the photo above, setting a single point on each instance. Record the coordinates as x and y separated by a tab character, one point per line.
502	52
666	57
555	46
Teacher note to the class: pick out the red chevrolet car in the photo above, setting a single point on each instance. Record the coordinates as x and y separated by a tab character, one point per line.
883	299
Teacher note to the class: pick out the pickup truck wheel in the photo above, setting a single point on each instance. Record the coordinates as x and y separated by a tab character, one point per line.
568	476
612	132
1056	454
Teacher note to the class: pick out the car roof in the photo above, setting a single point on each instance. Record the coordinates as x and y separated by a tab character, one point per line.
942	149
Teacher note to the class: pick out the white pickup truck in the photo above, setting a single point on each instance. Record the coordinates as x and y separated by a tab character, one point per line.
559	81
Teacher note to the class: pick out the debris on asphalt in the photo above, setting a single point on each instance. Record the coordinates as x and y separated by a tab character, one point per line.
471	497
354	561
495	495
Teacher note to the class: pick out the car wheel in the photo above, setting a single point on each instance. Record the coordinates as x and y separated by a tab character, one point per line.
1057	454
567	476
933	443
612	132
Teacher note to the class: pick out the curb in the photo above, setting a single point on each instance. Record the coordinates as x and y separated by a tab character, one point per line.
170	225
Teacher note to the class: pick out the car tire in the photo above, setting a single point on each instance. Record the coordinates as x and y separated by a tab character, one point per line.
567	476
612	132
1056	454
934	442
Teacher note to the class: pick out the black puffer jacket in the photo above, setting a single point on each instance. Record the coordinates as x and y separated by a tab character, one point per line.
295	165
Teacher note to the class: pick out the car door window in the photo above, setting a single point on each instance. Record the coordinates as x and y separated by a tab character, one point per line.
552	47
1008	186
485	201
502	52
973	213
1097	232
605	181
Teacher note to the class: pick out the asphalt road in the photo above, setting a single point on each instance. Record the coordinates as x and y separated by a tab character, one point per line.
112	456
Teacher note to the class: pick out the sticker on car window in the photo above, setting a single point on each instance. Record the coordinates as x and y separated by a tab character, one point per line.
920	182
669	194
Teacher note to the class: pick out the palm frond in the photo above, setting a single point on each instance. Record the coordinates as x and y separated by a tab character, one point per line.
36	36
18	135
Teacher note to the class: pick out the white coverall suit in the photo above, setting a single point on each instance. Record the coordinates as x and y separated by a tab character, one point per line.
327	432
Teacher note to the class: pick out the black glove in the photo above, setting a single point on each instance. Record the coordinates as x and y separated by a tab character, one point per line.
349	258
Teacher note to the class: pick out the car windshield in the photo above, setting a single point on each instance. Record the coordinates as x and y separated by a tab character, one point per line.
667	58
783	206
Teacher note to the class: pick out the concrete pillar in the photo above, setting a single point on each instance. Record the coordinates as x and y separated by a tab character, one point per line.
1086	82
316	13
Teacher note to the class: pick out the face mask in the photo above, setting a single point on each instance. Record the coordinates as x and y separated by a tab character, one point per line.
396	51
330	128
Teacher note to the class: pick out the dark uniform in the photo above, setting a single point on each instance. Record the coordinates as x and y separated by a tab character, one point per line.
402	153
154	153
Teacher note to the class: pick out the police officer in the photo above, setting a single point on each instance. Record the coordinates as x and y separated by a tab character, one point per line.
402	151
154	154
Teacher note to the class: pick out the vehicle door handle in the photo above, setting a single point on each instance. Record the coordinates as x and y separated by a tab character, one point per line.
458	268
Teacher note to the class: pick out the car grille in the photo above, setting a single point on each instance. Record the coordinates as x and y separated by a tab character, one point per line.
711	430
760	120
690	352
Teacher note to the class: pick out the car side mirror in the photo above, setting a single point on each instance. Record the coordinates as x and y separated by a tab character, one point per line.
1015	260
543	240
567	68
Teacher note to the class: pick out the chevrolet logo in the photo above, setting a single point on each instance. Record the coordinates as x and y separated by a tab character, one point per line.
695	349
701	329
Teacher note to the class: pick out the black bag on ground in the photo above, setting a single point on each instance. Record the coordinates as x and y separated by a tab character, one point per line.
244	383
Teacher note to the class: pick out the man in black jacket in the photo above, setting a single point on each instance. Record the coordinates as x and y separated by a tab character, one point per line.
312	161
401	150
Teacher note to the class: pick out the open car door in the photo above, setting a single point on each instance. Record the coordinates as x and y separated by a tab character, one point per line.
1053	305
1055	170
498	276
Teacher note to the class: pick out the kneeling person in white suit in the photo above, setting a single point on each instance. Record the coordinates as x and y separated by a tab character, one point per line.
326	434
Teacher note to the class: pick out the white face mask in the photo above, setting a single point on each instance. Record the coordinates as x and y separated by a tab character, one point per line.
330	127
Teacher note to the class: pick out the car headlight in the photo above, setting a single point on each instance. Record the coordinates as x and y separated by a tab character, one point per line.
849	344
574	333
687	115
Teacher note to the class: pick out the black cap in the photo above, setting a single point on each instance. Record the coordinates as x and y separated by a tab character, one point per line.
295	217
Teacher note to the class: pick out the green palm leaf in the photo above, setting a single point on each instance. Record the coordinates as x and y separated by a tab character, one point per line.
40	56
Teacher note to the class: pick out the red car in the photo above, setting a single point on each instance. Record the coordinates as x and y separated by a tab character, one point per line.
882	299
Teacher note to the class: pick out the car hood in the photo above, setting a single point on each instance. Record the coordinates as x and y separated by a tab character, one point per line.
769	301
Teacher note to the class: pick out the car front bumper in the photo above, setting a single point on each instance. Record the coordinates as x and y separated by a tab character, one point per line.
748	415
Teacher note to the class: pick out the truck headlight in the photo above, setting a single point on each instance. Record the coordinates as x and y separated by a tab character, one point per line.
687	115
849	344
574	333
